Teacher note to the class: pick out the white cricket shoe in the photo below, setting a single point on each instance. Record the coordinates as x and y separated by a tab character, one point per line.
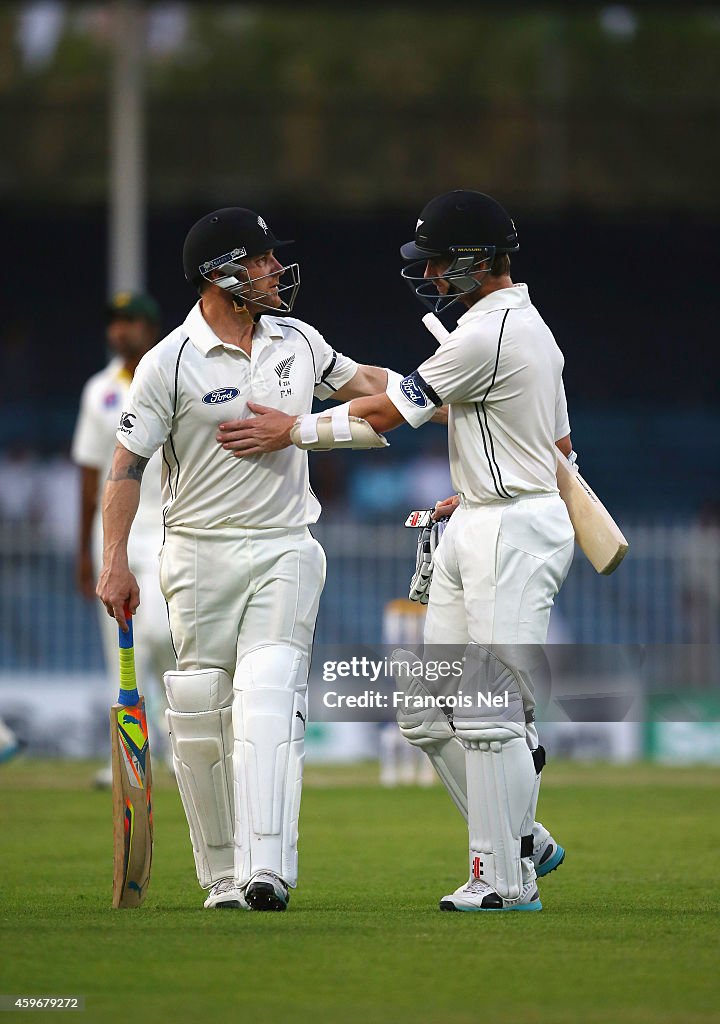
226	895
267	891
477	895
548	856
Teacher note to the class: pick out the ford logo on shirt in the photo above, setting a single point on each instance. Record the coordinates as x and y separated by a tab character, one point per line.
221	395
412	391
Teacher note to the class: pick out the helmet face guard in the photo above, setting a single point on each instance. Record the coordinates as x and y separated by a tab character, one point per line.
236	280
445	223
465	261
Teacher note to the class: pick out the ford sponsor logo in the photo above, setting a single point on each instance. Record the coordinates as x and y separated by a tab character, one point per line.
221	395
412	391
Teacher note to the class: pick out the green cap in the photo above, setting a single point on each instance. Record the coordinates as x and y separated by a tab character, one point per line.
133	306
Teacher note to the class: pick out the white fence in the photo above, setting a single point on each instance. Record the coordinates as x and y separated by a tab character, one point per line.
666	591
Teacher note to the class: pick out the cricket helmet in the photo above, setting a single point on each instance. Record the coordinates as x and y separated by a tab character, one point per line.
221	240
468	228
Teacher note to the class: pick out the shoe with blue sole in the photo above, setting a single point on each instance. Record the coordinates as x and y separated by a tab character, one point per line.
477	895
548	857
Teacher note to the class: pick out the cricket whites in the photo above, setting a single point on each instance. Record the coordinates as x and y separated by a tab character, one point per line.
131	783
596	532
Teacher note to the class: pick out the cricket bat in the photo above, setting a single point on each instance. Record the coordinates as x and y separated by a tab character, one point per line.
131	783
596	532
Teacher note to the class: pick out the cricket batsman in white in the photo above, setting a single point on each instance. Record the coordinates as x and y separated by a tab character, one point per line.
509	543
240	570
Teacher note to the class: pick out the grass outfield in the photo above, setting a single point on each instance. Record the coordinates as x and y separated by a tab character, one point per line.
629	931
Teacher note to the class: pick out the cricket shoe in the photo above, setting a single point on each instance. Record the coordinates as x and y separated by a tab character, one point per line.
226	895
477	895
548	856
267	891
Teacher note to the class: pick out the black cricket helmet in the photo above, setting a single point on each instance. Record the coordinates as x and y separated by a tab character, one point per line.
221	240
466	227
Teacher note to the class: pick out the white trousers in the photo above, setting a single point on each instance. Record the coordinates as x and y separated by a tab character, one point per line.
246	601
497	570
231	591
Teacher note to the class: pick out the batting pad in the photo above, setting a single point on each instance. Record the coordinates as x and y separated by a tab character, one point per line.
269	716
501	780
202	745
500	783
430	730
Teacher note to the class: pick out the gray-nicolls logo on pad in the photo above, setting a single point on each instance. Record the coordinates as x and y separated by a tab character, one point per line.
283	371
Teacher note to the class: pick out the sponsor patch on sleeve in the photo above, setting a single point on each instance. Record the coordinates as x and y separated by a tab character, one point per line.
413	392
127	422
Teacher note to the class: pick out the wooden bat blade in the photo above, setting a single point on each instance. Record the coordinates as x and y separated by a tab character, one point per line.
596	532
132	804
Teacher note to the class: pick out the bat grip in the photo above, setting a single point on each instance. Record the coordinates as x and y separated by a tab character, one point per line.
128	695
436	327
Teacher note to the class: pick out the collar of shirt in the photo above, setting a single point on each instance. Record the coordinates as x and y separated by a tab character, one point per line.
204	338
503	298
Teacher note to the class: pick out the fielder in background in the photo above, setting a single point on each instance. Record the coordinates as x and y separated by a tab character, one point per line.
133	328
509	542
240	570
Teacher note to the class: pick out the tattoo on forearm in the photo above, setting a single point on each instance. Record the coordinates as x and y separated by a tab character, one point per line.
132	470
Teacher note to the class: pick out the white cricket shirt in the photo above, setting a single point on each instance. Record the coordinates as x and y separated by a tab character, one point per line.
191	382
500	371
94	441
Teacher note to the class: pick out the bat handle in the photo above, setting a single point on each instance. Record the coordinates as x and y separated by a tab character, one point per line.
436	327
128	695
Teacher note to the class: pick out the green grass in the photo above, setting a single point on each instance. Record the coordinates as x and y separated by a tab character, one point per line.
628	933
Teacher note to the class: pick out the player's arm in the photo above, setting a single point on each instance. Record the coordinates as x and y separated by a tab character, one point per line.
117	586
414	399
367	381
378	411
565	445
269	429
562	422
85	576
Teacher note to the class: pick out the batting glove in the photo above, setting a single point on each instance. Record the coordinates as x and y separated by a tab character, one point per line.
428	540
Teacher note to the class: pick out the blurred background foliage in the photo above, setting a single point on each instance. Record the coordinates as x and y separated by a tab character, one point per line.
595	124
605	107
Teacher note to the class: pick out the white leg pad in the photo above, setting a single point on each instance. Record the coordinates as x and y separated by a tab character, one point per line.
430	730
200	725
269	715
500	783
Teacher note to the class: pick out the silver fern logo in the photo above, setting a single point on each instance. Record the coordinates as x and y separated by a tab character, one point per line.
283	371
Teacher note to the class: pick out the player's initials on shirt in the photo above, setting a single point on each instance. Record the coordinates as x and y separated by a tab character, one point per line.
283	371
